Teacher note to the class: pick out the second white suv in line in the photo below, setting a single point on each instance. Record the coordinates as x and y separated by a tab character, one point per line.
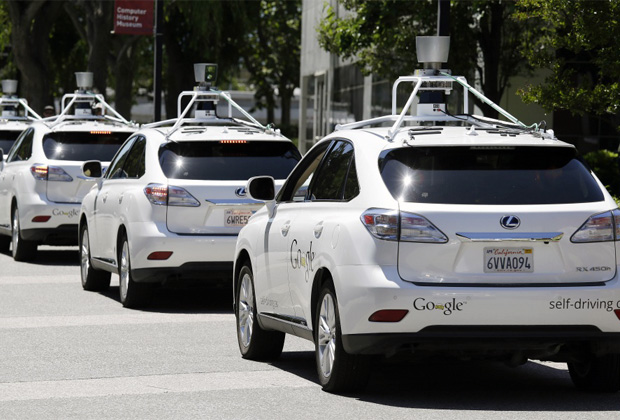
173	200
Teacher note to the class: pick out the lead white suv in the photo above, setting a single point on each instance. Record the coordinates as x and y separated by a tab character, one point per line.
173	201
15	118
489	239
42	182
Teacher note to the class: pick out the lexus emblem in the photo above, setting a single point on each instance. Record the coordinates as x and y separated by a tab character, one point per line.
240	192
510	222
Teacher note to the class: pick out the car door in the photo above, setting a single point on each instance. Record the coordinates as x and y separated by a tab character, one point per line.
314	233
16	162
103	238
278	257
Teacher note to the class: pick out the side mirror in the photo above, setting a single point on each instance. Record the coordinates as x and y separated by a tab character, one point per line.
92	169
261	188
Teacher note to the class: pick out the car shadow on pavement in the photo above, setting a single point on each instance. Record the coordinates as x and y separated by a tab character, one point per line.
54	256
183	300
481	385
447	384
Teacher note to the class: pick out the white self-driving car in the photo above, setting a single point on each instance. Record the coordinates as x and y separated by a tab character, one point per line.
173	200
489	239
42	182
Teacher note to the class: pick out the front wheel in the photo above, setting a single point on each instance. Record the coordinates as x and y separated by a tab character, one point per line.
22	250
255	343
338	370
92	279
597	374
132	294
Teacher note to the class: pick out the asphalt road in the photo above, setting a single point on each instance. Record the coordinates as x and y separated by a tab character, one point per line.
70	354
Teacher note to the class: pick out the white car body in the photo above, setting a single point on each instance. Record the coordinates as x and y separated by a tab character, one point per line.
188	237
413	265
42	182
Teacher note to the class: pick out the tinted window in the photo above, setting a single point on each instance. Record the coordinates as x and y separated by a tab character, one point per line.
296	186
134	165
471	175
330	181
7	138
227	161
82	146
23	148
115	171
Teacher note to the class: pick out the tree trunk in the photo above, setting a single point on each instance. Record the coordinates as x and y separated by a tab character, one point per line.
124	73
31	24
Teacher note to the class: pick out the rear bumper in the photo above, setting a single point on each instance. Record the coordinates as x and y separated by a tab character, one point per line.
551	342
61	235
198	272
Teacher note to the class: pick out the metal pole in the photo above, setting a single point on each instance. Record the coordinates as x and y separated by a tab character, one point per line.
443	17
157	34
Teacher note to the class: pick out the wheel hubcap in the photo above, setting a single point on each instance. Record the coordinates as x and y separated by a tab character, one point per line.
327	335
85	256
246	311
15	233
124	272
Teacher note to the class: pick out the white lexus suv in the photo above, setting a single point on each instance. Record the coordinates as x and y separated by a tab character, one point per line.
485	239
42	182
15	118
173	200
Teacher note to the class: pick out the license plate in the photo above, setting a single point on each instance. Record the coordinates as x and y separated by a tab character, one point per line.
236	218
508	260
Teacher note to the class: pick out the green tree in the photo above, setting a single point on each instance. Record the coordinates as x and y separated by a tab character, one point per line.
198	32
31	24
272	56
380	36
580	44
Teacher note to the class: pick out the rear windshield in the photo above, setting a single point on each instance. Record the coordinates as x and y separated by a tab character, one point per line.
7	138
82	146
483	175
214	160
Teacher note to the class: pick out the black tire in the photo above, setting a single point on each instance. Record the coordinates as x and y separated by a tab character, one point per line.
132	294
5	243
254	342
598	374
22	250
338	370
92	279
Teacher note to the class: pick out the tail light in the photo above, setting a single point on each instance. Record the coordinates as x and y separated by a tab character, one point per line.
168	195
49	173
392	225
604	227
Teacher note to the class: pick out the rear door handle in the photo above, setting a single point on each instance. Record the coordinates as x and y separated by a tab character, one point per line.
318	230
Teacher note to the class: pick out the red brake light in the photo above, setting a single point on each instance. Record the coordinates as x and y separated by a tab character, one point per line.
159	255
100	132
233	141
388	315
39	172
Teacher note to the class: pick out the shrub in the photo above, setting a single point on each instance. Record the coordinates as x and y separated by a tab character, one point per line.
604	163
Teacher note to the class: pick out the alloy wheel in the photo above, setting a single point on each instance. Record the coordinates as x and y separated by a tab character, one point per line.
327	335
246	310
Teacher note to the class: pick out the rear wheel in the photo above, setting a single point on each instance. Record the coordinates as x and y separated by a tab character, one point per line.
92	279
22	250
597	374
132	294
255	343
338	370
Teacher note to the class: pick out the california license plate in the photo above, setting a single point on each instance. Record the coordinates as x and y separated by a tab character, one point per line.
236	218
508	260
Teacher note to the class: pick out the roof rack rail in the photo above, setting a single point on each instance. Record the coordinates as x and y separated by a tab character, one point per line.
6	101
85	101
435	84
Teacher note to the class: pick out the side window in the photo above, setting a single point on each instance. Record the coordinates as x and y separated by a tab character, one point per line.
115	171
22	149
296	187
331	180
134	165
352	186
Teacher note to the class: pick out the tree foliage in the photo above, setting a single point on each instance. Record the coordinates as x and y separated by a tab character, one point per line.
580	44
272	56
380	36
